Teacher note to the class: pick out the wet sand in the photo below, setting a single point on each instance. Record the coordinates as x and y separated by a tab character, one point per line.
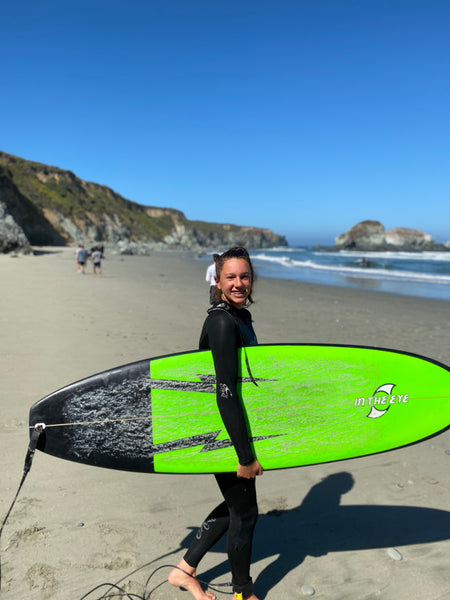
331	527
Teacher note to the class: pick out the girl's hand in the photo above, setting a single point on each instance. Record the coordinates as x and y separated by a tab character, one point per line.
250	471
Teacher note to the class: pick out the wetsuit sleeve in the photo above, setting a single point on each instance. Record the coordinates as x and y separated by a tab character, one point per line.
223	338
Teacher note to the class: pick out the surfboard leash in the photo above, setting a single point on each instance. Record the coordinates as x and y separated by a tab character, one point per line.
208	585
115	587
34	438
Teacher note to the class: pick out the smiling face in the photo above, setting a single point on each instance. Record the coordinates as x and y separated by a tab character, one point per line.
235	282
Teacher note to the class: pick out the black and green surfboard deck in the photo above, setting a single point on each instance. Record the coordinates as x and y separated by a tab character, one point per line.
305	404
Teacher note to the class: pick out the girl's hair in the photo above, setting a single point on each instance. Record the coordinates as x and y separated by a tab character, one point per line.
236	252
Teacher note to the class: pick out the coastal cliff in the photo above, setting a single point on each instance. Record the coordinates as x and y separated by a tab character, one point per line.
43	205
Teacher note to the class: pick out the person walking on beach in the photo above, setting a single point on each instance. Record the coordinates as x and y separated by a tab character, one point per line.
211	278
81	258
96	258
227	327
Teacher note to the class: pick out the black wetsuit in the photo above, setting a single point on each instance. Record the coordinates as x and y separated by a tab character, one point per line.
226	329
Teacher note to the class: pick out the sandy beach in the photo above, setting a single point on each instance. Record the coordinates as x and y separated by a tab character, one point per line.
328	528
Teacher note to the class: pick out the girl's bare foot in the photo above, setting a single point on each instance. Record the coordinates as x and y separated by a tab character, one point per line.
183	575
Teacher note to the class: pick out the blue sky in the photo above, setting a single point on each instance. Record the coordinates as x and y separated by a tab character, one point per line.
305	117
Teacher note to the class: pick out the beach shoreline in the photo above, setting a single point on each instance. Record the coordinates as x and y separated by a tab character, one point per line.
75	527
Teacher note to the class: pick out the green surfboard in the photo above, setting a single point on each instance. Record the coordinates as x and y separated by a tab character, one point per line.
305	404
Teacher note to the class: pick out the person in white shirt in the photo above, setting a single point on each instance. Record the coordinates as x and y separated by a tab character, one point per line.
211	278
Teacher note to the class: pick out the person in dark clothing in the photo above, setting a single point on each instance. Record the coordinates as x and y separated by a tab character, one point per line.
228	327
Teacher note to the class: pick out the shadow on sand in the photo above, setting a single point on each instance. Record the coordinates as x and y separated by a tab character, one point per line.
42	252
320	525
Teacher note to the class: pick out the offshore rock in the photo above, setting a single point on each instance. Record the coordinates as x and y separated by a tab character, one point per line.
371	236
401	237
367	235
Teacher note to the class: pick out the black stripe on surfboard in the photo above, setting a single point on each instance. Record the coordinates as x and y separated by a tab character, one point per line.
207	440
206	384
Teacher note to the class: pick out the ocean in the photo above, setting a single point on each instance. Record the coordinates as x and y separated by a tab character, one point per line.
421	274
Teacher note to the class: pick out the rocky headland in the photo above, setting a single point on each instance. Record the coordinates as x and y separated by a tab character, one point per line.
372	236
42	205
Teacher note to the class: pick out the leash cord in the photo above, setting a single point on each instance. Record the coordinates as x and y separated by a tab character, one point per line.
28	461
146	595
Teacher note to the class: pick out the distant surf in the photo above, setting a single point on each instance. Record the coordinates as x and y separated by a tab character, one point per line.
421	274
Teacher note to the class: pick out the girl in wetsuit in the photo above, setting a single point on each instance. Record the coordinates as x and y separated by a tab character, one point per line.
228	326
